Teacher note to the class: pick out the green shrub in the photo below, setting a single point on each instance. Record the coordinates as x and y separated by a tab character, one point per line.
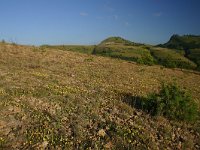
146	59
172	103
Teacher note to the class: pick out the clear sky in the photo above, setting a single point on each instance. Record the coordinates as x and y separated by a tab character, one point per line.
90	21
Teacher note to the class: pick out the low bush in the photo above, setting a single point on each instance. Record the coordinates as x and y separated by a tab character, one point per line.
171	102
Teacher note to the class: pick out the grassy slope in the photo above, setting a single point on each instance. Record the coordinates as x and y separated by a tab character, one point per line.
123	49
61	99
171	58
130	53
118	47
195	56
75	48
183	42
187	42
118	40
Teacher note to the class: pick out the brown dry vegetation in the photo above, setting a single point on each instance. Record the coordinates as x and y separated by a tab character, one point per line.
65	100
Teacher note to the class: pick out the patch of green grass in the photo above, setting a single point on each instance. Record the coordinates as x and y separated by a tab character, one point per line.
171	59
129	53
75	48
195	56
89	59
2	142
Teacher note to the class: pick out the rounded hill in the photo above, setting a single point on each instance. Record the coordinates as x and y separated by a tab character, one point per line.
116	40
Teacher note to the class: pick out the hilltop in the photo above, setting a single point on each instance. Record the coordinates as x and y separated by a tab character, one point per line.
116	40
120	48
58	99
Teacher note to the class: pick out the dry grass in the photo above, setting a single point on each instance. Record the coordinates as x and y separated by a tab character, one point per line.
65	100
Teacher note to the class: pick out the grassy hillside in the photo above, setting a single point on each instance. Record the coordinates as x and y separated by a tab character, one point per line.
116	40
75	48
195	56
144	54
117	47
55	99
189	44
130	53
183	42
171	58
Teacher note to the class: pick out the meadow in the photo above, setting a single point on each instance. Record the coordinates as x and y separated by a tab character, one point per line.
51	98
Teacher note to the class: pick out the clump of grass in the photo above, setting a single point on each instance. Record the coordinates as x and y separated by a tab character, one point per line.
89	59
195	57
171	102
2	142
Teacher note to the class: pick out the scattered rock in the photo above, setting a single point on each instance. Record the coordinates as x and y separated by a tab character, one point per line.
44	145
102	133
108	145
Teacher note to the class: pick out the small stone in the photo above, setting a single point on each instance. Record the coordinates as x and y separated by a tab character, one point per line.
108	145
102	133
197	146
24	117
181	138
179	145
44	144
173	136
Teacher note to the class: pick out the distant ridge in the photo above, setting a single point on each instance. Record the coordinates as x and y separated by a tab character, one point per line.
189	44
178	52
183	42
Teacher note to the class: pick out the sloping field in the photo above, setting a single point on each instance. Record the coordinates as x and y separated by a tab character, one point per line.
75	48
65	100
131	53
170	58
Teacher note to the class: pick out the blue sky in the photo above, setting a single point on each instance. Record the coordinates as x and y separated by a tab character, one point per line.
38	22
